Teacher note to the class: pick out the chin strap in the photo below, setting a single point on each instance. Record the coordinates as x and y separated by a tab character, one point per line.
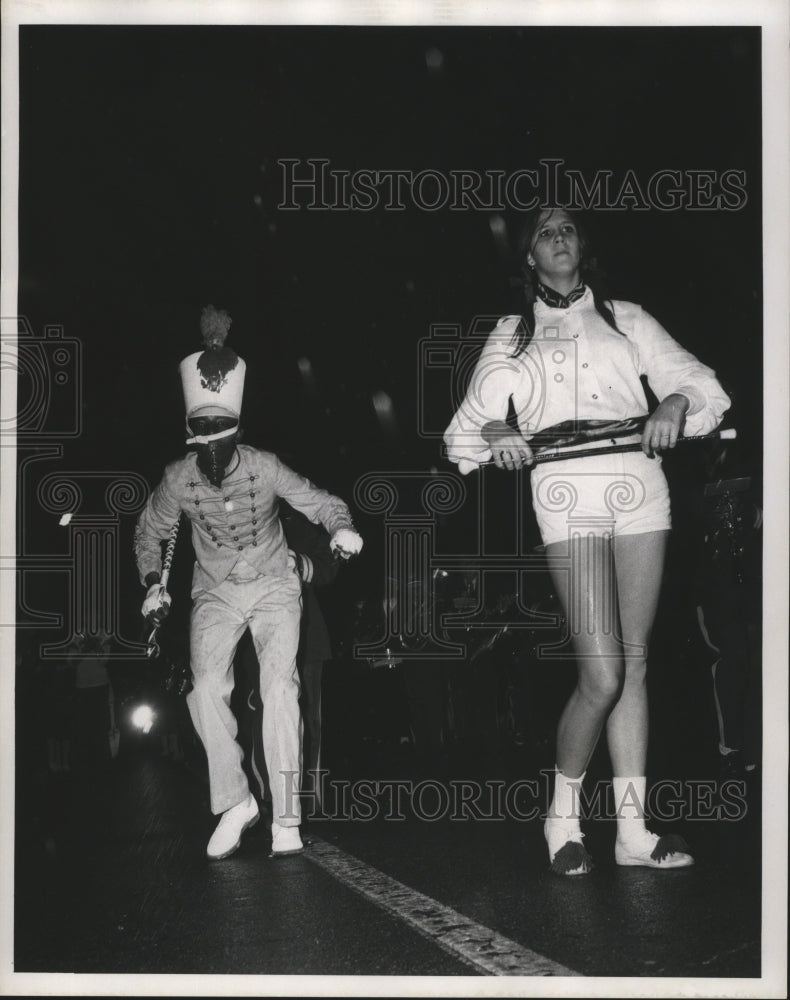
207	438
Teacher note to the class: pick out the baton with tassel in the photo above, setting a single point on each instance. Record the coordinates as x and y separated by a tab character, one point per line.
564	444
153	650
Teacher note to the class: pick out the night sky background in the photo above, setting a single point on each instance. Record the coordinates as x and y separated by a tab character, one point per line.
149	187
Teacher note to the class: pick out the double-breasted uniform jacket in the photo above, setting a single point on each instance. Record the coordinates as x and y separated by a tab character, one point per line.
237	521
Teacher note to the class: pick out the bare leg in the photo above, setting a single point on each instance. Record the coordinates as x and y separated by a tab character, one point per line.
639	562
583	576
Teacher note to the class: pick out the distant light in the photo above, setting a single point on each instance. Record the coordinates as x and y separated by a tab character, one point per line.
65	520
385	411
497	224
143	718
382	403
434	59
498	228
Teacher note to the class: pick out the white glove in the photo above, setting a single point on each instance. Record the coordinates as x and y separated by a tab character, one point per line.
157	603
345	543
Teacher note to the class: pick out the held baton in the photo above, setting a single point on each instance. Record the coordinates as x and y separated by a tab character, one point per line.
152	651
559	453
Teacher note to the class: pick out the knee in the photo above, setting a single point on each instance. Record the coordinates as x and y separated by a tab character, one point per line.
280	686
206	682
602	689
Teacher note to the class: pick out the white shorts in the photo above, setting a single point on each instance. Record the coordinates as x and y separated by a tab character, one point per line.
618	494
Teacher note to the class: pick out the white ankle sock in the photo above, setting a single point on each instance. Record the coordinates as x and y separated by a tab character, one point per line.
629	804
563	818
566	804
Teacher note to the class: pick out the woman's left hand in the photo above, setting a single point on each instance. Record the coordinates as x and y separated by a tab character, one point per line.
664	425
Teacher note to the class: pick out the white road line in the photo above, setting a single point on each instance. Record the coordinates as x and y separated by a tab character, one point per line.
489	952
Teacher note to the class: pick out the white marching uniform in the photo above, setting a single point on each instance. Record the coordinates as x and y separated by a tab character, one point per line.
244	576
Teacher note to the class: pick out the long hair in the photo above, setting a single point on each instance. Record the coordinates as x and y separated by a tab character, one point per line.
589	271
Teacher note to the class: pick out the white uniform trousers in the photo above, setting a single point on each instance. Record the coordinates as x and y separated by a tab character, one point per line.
271	607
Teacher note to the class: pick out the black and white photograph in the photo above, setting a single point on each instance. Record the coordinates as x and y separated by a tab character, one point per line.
393	499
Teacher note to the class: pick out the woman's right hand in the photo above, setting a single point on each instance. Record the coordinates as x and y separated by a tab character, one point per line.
508	447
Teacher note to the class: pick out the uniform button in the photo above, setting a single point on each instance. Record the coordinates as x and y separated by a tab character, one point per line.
252	509
236	538
255	531
227	499
233	527
241	547
558	357
252	493
576	336
558	378
255	543
219	545
197	503
252	479
255	520
595	395
192	486
585	365
202	517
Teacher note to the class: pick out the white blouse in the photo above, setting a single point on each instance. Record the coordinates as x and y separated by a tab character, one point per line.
577	367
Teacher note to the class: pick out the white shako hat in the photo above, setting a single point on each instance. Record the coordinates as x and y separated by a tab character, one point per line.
213	379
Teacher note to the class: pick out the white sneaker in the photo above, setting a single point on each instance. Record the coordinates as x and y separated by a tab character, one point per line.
227	837
285	840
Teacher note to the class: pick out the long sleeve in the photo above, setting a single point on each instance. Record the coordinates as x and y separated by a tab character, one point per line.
496	376
153	527
316	504
311	543
670	368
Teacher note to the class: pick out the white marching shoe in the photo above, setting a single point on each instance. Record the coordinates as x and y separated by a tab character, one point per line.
285	840
227	837
652	851
567	854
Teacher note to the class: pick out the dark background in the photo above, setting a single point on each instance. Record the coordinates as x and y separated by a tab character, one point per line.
149	187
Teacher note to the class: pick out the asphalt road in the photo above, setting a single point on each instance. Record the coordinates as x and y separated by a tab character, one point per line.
428	866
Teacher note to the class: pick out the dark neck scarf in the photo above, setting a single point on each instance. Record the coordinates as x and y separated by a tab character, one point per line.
557	301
